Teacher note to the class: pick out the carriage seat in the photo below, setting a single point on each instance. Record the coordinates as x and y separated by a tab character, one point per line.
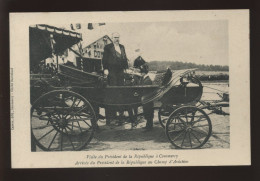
163	78
80	78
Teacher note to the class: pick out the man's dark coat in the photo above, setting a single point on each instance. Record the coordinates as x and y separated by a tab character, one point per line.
112	60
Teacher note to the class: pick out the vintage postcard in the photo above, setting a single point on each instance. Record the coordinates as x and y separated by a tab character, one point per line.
130	89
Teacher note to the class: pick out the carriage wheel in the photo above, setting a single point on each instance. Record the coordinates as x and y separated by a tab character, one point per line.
62	120
165	112
163	117
188	127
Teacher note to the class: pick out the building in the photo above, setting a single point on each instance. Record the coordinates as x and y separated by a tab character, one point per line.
92	55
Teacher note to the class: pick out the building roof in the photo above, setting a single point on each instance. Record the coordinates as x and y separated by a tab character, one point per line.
92	42
42	46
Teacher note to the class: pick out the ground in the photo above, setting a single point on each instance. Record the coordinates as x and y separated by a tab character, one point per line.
125	138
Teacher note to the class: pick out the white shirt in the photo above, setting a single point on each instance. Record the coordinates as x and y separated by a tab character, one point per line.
117	48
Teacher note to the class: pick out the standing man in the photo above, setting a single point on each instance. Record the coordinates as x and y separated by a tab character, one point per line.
148	109
114	64
115	61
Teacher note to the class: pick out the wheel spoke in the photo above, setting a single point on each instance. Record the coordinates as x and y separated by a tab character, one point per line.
180	124
73	103
186	112
177	123
201	119
183	139
164	120
195	137
45	126
78	103
200	132
69	128
41	118
77	112
63	104
48	122
59	116
81	109
76	119
174	131
52	140
190	140
192	118
45	134
200	126
79	127
87	124
174	124
81	119
178	136
53	114
69	139
68	98
181	120
61	140
84	116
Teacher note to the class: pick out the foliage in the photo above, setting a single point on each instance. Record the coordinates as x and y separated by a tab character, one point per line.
177	65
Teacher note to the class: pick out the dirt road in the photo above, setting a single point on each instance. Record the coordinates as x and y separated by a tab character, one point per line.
125	138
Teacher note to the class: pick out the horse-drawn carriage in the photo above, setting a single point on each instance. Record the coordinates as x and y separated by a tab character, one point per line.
64	116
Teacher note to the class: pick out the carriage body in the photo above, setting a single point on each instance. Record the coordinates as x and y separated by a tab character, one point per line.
96	91
138	95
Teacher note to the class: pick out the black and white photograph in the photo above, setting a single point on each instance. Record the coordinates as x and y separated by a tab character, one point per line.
156	89
147	98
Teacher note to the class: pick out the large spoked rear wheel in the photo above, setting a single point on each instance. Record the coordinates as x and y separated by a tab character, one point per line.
62	120
188	127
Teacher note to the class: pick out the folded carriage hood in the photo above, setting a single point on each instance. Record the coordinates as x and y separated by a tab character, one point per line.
175	77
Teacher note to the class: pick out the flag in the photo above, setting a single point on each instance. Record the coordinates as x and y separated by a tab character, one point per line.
71	26
90	26
78	26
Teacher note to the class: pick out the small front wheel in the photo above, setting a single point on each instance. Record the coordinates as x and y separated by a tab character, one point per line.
163	117
188	127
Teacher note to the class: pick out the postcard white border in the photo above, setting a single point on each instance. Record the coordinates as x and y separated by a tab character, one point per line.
239	152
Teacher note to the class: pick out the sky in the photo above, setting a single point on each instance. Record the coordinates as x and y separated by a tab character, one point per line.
201	42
